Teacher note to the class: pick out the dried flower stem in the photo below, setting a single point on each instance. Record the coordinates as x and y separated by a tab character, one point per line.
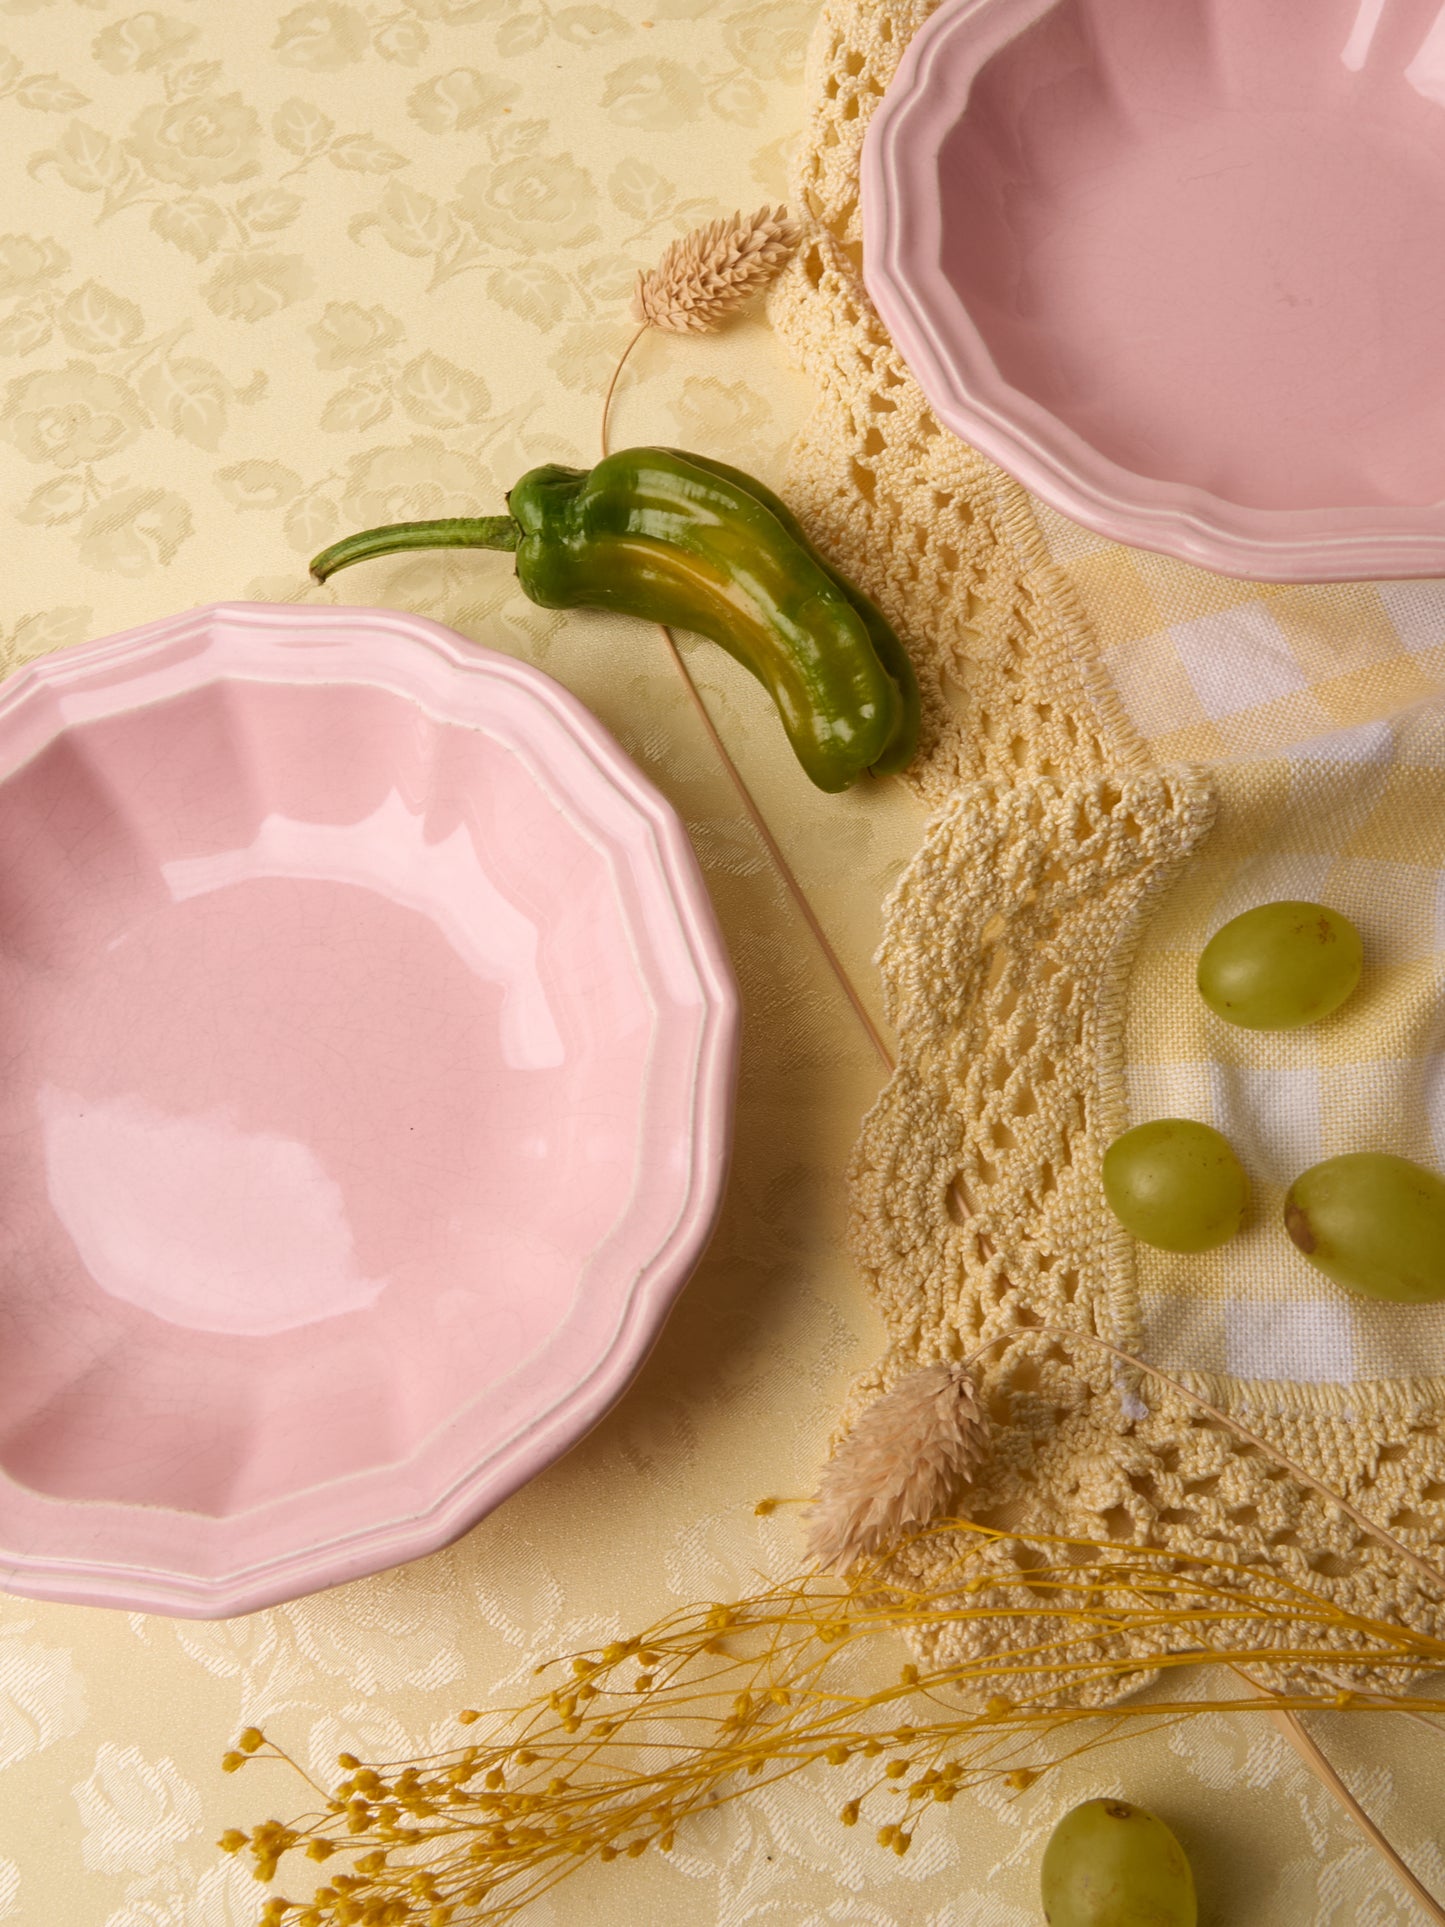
1304	1743
1292	1726
633	340
636	1736
770	843
1293	1729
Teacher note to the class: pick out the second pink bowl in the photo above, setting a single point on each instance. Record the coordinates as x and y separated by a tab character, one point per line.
1181	268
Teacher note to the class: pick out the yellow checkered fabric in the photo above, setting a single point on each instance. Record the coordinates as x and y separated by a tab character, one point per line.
1320	712
1208	667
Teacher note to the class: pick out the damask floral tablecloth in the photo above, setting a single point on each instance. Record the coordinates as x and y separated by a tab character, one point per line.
273	272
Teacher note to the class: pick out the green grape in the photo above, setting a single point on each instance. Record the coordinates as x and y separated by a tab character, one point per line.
1176	1184
1373	1222
1280	965
1108	1864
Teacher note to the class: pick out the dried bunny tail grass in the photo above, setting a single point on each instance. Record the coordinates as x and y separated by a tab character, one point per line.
705	275
899	1467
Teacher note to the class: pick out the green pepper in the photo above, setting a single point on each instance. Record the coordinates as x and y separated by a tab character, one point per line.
889	650
693	544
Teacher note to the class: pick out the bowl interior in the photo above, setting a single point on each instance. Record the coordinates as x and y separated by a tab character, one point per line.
1209	238
325	1040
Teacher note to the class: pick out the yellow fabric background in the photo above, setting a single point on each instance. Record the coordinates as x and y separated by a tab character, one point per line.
273	271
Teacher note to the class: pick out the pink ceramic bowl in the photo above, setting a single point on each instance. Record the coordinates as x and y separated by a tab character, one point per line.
1181	267
369	1047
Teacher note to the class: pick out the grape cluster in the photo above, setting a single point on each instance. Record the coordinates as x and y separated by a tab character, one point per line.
1372	1222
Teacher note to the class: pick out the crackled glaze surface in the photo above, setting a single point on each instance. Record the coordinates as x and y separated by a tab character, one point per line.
368	1047
1181	270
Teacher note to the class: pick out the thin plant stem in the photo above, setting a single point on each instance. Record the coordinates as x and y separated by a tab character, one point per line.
1292	1726
612	385
780	862
1304	1743
1309	1751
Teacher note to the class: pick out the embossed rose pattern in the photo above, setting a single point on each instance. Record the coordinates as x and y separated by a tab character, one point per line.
198	142
273	270
530	203
70	416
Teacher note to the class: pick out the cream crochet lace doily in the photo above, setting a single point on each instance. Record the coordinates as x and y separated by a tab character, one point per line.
977	1206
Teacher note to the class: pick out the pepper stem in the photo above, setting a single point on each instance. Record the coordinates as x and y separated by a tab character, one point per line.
453	532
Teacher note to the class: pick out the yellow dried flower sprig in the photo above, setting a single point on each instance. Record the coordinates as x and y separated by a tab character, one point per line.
714	1700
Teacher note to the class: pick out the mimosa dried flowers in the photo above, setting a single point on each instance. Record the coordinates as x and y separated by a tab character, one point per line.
715	1700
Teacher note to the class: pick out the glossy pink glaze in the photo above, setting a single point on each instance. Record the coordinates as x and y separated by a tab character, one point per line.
369	1047
1182	268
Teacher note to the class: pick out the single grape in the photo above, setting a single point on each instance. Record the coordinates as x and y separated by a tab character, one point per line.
1373	1222
1176	1184
1109	1864
1280	965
